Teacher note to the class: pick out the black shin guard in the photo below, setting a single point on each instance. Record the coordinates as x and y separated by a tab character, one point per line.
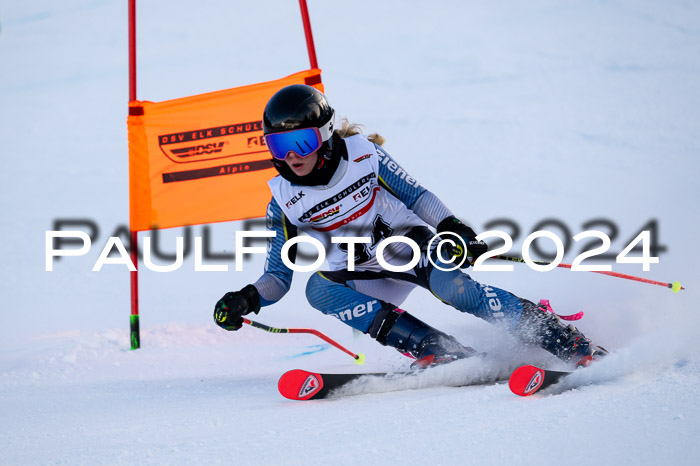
399	329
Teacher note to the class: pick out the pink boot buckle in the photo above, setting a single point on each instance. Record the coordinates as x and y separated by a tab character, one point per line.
544	303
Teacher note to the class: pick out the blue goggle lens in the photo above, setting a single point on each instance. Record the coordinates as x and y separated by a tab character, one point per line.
301	141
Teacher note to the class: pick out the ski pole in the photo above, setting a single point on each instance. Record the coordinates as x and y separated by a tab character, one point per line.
359	358
675	286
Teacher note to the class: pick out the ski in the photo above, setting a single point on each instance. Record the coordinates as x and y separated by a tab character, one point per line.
304	385
300	385
528	380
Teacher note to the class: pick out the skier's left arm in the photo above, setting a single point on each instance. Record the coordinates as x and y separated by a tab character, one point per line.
426	205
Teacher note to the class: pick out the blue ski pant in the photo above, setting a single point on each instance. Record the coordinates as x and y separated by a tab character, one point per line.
355	297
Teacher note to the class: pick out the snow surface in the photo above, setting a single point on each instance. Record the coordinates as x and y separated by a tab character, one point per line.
526	110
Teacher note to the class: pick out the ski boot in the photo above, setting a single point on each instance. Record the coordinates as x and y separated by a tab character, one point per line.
413	337
440	349
545	329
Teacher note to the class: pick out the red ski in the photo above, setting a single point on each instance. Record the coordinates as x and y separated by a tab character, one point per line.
299	384
528	380
303	385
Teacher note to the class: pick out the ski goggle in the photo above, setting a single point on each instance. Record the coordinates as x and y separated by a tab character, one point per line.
300	141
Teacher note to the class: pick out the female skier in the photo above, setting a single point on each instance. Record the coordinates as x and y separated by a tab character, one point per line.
343	184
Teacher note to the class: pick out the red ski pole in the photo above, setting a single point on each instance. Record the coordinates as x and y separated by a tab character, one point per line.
359	358
675	286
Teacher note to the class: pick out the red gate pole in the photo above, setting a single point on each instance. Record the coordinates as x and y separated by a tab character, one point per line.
132	50
307	32
133	242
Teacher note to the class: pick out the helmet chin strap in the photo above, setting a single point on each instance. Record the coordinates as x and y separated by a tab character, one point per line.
328	145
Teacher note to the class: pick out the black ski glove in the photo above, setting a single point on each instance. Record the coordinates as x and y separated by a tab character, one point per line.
475	247
229	310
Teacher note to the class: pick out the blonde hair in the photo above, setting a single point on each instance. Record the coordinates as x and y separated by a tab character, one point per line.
348	129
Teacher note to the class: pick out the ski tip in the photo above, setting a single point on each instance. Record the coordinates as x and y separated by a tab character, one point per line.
526	380
298	384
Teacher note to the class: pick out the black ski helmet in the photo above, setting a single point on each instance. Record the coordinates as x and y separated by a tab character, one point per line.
299	106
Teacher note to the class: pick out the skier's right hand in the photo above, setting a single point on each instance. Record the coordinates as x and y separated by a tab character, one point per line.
230	309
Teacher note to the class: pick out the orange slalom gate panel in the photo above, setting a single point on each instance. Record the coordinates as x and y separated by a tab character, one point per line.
202	159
